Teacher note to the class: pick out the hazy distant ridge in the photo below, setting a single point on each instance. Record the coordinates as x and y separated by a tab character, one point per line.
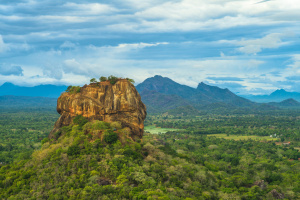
276	96
51	91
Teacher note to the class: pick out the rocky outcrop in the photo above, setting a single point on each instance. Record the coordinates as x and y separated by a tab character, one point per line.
105	102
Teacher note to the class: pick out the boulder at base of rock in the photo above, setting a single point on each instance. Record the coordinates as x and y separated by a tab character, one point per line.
105	102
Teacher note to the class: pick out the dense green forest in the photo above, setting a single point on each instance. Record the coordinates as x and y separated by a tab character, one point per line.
21	131
184	164
284	125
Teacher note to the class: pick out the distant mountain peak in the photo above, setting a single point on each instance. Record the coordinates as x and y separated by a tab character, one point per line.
279	91
7	84
203	95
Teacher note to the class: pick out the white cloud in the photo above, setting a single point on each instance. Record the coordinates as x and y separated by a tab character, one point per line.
139	45
293	68
254	46
90	8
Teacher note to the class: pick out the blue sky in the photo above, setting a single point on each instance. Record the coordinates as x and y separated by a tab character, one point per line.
249	46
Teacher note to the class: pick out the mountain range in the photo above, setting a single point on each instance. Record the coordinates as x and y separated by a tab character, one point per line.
162	94
276	96
51	91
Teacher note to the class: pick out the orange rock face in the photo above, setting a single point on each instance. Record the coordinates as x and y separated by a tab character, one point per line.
105	102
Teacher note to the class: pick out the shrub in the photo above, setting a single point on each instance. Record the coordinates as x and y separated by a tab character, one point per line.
69	88
57	134
93	80
73	150
110	137
112	79
130	80
100	125
43	141
73	89
103	78
80	120
116	125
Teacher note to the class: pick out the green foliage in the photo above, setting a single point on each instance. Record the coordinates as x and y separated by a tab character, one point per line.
73	150
102	79
73	89
130	80
57	134
22	132
93	80
181	164
80	121
110	137
116	125
113	79
69	88
45	140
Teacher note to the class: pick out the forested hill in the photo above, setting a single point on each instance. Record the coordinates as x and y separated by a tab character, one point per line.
52	91
157	90
286	103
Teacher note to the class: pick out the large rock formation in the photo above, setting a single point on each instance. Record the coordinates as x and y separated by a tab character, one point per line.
105	102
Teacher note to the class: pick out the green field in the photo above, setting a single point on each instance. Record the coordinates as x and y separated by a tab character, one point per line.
242	137
155	130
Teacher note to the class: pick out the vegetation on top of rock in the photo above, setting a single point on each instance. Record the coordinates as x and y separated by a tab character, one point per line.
112	79
73	89
96	103
93	80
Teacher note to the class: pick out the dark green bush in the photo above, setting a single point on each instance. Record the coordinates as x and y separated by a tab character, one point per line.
57	134
130	80
73	89
103	78
93	80
80	120
112	79
45	140
110	137
73	150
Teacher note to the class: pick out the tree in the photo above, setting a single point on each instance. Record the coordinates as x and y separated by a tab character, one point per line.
102	78
112	79
73	150
110	137
93	80
80	120
69	88
130	80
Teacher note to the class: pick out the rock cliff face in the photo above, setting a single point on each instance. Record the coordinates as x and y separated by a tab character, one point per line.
105	102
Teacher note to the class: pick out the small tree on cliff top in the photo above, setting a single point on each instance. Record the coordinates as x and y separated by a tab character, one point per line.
93	80
112	79
130	80
103	78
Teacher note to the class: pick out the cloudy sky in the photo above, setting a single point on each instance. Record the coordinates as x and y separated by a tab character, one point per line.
248	46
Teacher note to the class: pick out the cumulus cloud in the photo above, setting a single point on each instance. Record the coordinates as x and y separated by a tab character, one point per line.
189	41
254	46
90	8
8	70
